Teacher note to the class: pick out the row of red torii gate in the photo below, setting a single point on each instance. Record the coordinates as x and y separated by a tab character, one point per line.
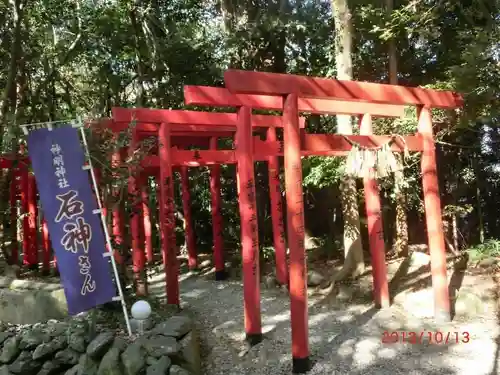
178	130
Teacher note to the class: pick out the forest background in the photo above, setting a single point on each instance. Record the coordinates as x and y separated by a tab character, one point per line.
65	58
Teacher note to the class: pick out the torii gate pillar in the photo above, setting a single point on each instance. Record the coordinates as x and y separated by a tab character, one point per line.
433	216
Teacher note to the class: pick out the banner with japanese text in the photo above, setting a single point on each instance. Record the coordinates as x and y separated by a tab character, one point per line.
68	203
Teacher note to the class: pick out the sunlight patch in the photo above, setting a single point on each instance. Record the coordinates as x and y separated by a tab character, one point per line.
387	353
365	351
267	328
278	318
317	318
345	318
194	293
346	349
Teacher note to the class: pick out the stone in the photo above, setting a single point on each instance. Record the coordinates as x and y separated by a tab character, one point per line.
488	262
47	349
10	349
190	352
11	271
177	326
73	370
345	293
270	281
178	370
81	328
58	299
142	340
133	359
77	342
56	329
205	264
160	367
4	370
87	365
30	340
110	363
68	357
38	326
79	325
469	304
151	360
51	368
314	278
4	336
120	344
24	306
24	364
158	346
100	345
419	259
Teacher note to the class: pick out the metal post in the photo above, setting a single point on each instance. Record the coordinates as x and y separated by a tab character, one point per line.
105	228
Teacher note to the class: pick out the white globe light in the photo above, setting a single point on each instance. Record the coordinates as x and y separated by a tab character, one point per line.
141	310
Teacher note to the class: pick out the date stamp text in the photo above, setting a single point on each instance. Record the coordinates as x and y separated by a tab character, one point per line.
422	337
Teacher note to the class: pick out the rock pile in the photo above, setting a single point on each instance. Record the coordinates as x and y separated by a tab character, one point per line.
70	348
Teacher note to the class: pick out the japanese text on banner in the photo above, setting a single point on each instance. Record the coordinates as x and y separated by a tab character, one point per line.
77	233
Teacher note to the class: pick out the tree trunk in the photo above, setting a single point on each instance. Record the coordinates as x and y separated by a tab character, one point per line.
8	107
9	96
401	235
454	228
392	51
353	248
140	98
479	211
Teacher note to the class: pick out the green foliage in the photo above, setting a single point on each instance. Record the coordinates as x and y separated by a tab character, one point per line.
322	172
451	210
267	254
491	248
65	58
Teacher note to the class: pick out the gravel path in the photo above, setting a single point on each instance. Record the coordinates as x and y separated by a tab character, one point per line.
345	335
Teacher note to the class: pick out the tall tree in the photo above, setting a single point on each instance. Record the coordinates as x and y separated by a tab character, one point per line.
401	227
353	247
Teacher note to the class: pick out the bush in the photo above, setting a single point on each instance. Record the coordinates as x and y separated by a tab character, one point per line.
489	249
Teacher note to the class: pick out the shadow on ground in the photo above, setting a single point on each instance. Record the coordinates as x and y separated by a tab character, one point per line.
345	336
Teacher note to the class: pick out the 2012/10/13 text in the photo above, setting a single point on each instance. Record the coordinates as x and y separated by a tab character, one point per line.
430	337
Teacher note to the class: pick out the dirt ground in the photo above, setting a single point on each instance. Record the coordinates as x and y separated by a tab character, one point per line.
345	330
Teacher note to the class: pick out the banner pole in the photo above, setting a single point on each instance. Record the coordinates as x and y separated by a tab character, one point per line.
79	124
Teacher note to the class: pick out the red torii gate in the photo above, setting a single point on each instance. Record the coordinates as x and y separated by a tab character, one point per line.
297	93
181	138
321	144
266	150
23	188
289	88
191	123
253	326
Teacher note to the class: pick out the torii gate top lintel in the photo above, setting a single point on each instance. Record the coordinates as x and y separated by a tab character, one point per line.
181	136
222	97
263	83
148	119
